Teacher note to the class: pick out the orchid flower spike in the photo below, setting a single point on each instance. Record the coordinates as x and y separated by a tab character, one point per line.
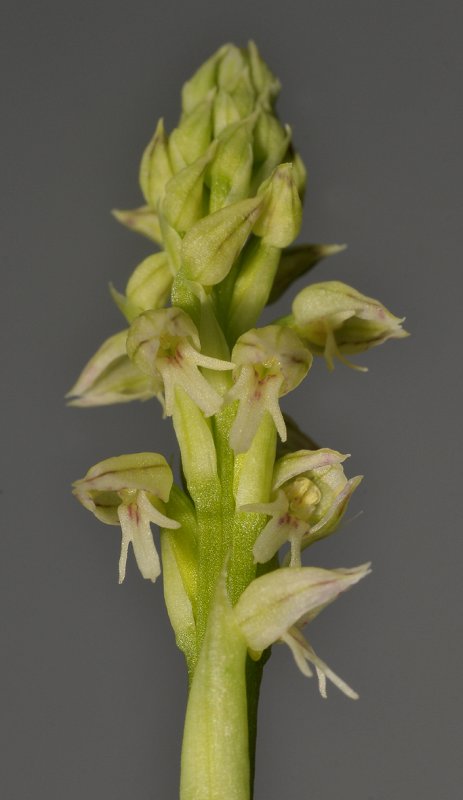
275	606
111	377
335	319
129	491
270	362
312	494
165	344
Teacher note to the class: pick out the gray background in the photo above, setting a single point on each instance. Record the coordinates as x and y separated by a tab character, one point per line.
93	686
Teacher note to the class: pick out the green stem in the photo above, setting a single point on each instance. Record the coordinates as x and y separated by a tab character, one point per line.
215	755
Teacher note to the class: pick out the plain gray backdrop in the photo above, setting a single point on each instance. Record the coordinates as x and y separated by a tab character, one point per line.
93	686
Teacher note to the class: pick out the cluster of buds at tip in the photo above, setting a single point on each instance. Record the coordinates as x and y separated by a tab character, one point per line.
311	496
130	491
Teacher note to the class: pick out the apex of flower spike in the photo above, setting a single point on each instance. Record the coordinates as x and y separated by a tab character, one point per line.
128	491
336	319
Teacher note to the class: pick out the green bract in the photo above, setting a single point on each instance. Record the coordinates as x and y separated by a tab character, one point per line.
222	200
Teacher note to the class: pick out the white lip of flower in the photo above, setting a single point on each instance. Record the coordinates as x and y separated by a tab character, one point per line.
274	607
312	495
135	515
270	362
122	491
304	654
166	343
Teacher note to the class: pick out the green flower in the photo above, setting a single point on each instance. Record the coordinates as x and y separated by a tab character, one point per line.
335	319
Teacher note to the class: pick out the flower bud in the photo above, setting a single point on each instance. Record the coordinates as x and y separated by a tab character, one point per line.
155	167
110	377
230	172
204	79
271	141
230	68
225	111
126	491
257	267
185	201
211	247
268	366
165	343
312	494
148	287
335	319
265	82
192	137
280	219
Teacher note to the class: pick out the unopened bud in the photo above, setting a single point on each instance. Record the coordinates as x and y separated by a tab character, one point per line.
280	219
148	287
211	247
155	167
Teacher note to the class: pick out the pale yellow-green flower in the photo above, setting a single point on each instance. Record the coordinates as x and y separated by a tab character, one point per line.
129	491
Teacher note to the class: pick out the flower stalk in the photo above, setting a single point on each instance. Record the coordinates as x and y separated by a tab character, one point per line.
223	197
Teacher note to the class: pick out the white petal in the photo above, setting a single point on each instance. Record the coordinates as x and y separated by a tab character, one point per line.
301	461
136	529
152	514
